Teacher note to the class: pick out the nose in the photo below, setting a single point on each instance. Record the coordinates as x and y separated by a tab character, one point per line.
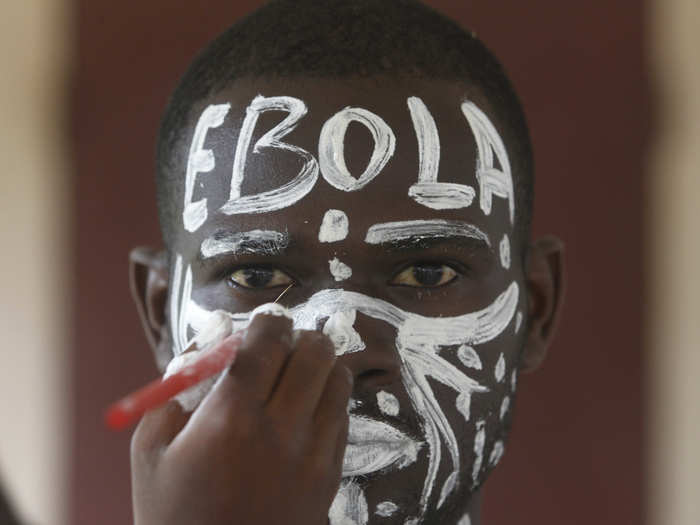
379	364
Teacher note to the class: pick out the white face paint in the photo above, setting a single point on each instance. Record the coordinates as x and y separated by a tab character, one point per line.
421	341
469	358
339	270
200	160
251	242
518	321
505	404
491	180
402	230
334	226
500	371
496	453
465	520
504	248
514	380
288	193
428	191
374	445
387	403
331	148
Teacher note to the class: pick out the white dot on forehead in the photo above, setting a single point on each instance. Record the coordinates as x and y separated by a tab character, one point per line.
388	404
504	248
334	226
339	270
500	371
386	509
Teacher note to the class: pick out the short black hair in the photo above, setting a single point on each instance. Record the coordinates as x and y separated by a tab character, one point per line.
341	39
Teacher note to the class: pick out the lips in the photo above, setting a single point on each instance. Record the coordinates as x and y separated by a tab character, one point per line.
373	445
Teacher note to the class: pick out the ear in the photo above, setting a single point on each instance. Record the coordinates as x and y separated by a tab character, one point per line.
545	281
148	279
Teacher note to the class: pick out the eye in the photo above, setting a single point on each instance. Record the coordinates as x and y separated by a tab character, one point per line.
425	275
259	278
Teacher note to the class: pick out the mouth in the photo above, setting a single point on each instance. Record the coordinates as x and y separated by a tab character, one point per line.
373	445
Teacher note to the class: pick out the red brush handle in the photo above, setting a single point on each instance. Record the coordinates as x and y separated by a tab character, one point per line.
131	408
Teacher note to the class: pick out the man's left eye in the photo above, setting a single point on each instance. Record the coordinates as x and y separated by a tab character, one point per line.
259	278
425	275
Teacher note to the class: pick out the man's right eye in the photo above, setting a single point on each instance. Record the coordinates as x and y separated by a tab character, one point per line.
259	278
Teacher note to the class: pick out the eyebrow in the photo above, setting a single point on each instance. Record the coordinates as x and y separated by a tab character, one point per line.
253	242
418	234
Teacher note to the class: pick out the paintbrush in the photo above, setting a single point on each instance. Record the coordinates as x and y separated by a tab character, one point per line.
214	350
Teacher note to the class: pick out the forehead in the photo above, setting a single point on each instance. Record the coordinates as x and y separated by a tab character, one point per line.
399	127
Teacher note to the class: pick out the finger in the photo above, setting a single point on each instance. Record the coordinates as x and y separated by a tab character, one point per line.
261	357
331	417
157	429
304	378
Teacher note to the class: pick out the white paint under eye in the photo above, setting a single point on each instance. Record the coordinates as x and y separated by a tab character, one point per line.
339	270
514	379
331	148
465	520
200	160
387	403
505	405
479	441
518	321
235	243
469	358
500	370
504	248
349	506
402	230
386	509
428	191
492	181
496	453
288	193
334	226
339	328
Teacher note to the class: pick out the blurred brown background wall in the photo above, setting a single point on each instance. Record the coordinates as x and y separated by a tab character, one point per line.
576	452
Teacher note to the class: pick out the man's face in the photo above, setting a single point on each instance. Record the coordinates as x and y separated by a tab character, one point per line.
388	207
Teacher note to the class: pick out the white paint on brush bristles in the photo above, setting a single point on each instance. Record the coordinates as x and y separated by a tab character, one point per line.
504	249
387	403
331	148
288	193
334	226
428	191
239	243
401	230
386	509
200	160
492	181
339	270
500	370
